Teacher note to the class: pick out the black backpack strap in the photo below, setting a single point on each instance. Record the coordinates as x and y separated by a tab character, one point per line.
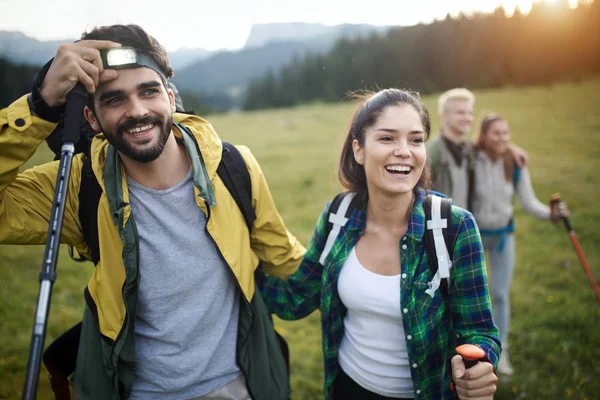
234	173
89	197
446	213
333	207
339	212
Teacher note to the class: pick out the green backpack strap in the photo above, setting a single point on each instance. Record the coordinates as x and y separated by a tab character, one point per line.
434	153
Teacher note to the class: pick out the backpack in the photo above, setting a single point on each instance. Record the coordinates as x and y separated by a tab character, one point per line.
437	238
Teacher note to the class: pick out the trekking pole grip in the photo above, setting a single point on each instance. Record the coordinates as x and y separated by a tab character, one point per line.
76	100
555	201
471	355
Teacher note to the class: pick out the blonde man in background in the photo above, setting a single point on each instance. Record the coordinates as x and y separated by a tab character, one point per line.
451	153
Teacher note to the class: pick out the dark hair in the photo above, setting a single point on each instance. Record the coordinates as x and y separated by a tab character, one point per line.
133	36
507	157
371	104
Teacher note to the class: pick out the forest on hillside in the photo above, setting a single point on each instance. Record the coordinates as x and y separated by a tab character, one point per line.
15	81
551	43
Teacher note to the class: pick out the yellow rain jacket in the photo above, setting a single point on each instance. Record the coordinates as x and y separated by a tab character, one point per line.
107	348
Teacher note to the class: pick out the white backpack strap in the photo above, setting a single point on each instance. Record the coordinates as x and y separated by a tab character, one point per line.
338	220
436	224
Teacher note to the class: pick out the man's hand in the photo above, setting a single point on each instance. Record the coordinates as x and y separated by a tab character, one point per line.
477	382
73	63
519	155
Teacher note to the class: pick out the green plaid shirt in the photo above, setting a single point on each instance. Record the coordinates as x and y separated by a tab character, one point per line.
428	322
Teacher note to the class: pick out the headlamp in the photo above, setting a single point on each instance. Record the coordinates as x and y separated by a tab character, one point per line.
128	58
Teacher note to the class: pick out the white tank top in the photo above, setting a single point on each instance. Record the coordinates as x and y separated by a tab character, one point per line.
373	351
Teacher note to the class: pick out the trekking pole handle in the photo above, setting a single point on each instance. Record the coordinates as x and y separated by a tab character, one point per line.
555	201
76	100
471	355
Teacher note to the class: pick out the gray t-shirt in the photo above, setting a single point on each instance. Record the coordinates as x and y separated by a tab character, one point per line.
188	304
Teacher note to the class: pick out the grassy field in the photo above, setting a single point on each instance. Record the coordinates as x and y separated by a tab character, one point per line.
555	338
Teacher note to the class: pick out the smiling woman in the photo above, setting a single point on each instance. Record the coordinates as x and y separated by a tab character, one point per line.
370	279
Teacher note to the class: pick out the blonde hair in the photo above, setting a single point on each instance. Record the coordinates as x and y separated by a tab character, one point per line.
454	94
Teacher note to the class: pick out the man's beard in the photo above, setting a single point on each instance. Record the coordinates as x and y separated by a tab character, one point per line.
146	155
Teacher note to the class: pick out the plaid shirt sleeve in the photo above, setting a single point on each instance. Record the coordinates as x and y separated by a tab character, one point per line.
298	295
470	302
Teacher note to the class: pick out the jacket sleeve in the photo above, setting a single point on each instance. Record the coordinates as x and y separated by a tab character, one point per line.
528	199
279	251
470	302
26	198
299	294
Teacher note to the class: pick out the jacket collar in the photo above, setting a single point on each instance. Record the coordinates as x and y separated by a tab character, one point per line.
111	175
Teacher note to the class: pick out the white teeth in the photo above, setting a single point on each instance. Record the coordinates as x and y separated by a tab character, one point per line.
140	129
398	168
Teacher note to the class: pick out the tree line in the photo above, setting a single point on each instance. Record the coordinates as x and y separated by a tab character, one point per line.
15	81
551	43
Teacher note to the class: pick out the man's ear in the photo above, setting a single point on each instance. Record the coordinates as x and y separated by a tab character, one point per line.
171	99
91	117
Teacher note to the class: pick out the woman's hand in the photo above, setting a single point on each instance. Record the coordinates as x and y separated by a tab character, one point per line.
558	210
478	382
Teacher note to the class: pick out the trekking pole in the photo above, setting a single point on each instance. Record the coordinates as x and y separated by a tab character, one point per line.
76	99
556	202
471	355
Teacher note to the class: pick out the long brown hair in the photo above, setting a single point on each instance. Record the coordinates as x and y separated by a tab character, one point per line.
351	174
507	157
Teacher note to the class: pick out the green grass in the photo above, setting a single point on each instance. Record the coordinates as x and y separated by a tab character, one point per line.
554	334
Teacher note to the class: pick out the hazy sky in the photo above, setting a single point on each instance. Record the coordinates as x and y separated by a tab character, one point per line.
214	24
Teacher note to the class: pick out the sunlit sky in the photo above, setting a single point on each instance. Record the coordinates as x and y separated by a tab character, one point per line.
224	24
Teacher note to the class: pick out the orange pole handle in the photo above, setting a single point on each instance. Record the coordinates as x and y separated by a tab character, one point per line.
471	355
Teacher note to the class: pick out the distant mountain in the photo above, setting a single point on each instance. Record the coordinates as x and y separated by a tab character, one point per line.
221	74
182	58
231	71
269	47
262	34
21	49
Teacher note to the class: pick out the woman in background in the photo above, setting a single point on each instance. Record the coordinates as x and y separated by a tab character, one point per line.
383	336
497	179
